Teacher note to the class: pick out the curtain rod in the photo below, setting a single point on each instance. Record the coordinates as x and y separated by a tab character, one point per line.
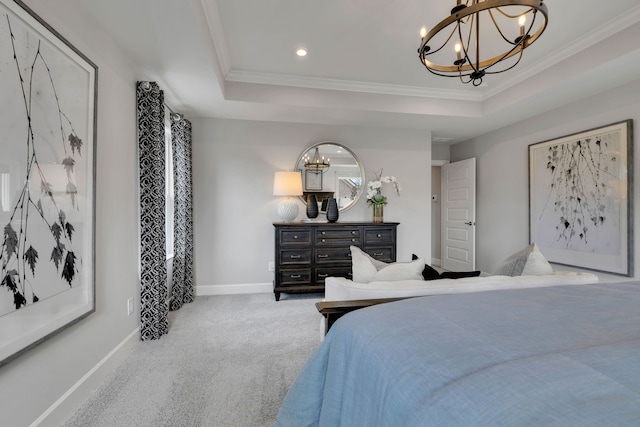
180	115
147	85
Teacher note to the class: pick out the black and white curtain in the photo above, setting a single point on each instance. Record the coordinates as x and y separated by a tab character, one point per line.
182	287
151	154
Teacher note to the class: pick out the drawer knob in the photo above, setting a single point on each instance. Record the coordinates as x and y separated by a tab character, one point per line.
353	240
295	276
323	276
295	256
296	236
323	233
324	241
379	236
378	254
353	232
323	256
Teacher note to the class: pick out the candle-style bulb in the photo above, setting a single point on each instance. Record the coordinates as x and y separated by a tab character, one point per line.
521	21
423	32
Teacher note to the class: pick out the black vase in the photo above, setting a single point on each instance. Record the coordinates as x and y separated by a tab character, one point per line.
312	206
332	210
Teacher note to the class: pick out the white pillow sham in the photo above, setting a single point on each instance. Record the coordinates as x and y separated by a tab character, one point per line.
366	269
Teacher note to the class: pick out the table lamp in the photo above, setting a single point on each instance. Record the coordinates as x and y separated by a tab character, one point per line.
287	184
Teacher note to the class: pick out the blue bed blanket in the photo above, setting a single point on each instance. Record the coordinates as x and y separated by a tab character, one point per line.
557	356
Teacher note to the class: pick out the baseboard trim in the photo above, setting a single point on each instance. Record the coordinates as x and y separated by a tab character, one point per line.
248	288
62	408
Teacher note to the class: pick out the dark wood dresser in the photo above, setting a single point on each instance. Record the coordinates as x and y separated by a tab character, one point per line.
307	253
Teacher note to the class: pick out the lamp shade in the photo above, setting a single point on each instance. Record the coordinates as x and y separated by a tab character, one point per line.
287	183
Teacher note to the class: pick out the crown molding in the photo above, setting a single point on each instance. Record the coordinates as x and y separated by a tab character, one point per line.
239	76
212	15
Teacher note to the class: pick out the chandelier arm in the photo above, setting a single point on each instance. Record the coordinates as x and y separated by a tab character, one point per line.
462	80
473	20
513	16
506	69
442	74
495	24
476	17
446	41
465	47
528	40
521	38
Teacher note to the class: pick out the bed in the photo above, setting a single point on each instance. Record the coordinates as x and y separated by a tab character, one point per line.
563	356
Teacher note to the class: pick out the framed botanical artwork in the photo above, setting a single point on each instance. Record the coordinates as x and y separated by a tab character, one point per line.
47	181
580	198
312	180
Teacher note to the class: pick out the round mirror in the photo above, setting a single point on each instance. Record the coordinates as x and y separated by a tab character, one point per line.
331	170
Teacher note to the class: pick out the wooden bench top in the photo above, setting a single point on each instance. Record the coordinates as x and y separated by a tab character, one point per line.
333	310
326	307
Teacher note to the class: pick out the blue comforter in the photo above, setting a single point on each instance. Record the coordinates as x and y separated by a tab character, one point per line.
558	356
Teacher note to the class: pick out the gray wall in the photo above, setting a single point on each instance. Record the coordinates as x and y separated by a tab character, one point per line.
234	163
32	383
502	170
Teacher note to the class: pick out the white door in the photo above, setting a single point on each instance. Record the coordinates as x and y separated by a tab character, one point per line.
459	215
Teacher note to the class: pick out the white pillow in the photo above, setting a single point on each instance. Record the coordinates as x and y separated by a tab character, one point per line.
366	269
527	262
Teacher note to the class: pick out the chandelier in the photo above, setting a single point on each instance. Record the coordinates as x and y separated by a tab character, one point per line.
453	48
316	163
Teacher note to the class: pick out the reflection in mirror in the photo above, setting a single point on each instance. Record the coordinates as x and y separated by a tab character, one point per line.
330	169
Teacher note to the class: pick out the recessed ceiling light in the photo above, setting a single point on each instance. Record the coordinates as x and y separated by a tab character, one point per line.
301	52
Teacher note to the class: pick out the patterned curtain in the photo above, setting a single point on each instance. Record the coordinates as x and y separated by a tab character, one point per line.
153	269
182	289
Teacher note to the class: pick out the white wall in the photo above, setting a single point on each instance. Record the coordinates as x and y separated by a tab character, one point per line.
32	384
233	166
436	215
502	171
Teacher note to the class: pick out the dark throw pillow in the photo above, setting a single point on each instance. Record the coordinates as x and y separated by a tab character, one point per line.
458	274
429	273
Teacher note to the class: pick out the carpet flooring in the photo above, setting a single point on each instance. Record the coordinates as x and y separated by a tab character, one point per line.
227	361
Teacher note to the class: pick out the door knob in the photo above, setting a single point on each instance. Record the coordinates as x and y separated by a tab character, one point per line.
470	223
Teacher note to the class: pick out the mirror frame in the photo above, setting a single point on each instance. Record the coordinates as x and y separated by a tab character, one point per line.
355	158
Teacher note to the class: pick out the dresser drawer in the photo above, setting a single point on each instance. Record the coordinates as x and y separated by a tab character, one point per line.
382	253
323	273
333	255
295	277
337	233
338	236
323	241
294	256
295	237
383	236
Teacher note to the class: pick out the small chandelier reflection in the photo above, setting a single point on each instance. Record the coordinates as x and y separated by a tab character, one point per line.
453	47
316	163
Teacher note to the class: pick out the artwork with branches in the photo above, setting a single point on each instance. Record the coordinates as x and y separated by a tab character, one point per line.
46	166
579	193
